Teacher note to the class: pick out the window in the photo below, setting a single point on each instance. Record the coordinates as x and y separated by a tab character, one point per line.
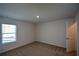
8	33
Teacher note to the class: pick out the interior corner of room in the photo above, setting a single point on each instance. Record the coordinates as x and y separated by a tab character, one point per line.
52	24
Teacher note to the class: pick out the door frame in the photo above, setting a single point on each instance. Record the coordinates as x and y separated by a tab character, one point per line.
67	23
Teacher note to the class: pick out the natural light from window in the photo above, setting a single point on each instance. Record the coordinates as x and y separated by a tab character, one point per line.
8	33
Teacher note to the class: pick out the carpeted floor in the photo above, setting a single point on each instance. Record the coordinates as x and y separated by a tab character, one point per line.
36	49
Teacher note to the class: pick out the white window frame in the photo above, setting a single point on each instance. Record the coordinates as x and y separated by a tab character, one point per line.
2	34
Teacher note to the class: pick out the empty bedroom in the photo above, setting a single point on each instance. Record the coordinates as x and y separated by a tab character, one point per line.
39	29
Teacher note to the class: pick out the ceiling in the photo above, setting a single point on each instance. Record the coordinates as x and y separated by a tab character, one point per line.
45	11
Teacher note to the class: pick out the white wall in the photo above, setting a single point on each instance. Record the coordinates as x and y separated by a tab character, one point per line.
52	32
25	34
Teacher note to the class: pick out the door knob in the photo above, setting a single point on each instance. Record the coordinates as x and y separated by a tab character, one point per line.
67	38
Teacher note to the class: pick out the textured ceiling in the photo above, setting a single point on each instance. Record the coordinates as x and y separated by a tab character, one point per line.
46	12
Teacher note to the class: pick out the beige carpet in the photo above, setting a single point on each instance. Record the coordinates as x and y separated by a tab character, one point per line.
36	49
